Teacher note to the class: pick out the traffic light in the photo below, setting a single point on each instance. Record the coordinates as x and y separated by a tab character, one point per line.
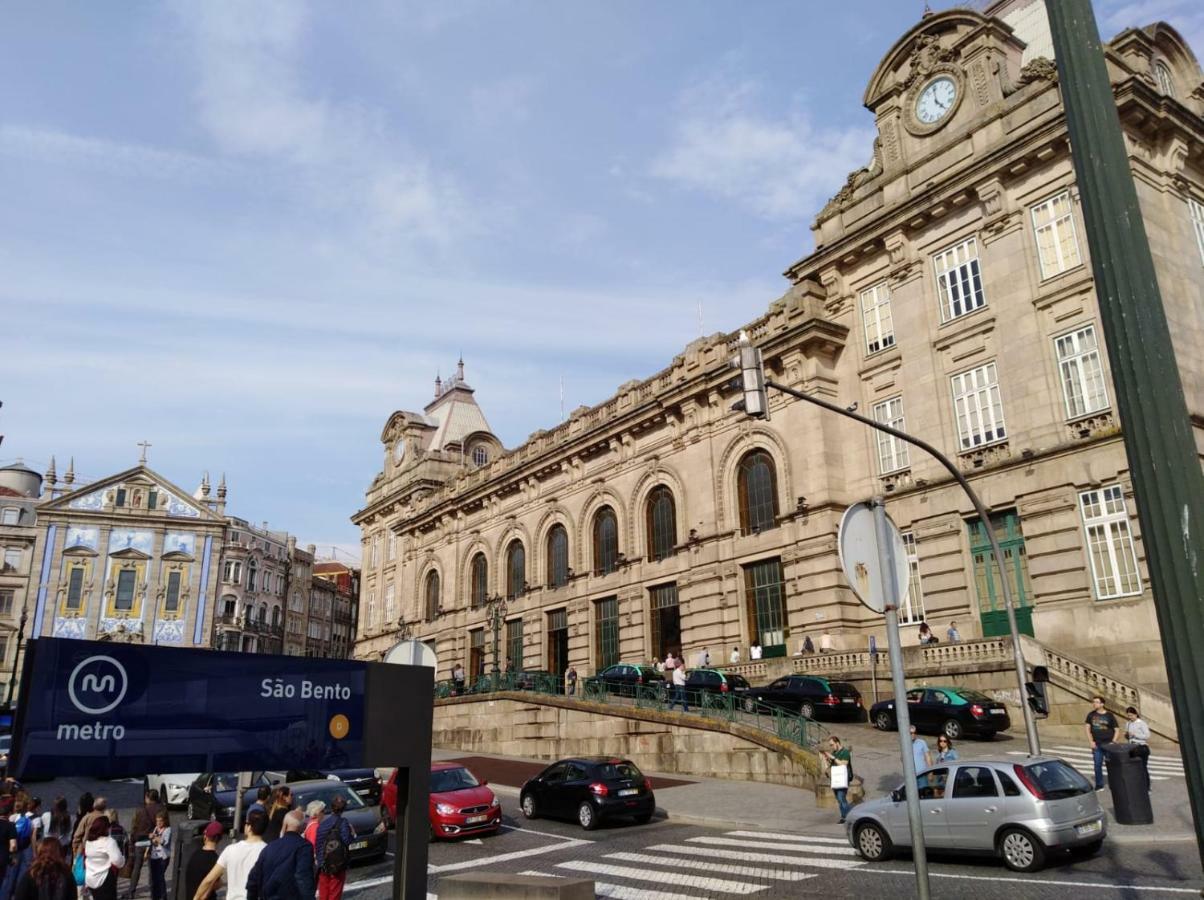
751	380
1037	697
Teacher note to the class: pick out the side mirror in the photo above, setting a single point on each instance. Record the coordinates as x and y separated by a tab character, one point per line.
897	795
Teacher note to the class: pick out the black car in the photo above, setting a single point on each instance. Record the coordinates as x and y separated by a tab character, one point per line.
212	794
363	781
951	711
371	836
715	681
809	696
547	682
625	678
589	789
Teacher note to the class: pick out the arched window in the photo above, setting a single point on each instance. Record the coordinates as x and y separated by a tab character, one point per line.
758	492
479	580
1166	83
558	556
275	616
480	455
263	614
606	541
251	573
432	596
516	570
662	523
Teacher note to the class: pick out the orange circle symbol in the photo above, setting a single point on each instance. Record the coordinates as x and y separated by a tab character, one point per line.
339	726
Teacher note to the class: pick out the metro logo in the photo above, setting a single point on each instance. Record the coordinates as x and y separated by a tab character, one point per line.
97	684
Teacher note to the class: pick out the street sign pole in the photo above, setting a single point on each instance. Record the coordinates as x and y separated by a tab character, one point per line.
874	666
886	566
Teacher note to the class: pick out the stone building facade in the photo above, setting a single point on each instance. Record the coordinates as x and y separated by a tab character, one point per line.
950	294
300	587
20	490
255	575
343	584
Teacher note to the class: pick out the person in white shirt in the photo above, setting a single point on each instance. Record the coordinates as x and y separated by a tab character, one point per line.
679	690
735	657
754	652
1138	733
670	662
102	859
160	853
237	860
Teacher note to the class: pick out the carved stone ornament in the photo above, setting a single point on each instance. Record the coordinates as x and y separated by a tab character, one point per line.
855	179
1040	68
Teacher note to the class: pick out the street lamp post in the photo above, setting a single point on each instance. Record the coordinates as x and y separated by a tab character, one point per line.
496	613
12	678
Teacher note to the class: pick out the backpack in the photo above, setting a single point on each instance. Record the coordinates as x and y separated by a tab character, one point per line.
24	830
335	853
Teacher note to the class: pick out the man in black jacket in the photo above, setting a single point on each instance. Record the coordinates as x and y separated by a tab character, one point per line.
285	869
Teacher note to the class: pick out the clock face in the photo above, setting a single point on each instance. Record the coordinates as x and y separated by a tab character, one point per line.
399	450
936	100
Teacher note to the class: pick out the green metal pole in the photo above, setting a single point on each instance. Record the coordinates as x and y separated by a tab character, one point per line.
1163	458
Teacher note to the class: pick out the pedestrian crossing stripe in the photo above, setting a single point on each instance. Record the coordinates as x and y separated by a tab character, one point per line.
1158	771
724	868
829	849
795	838
748	856
1167	762
618	892
701	882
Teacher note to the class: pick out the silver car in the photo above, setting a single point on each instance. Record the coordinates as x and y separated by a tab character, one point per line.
1016	810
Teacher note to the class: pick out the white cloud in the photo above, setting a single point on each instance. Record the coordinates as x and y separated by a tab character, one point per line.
779	165
1185	16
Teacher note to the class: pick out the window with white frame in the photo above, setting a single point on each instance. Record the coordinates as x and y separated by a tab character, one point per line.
879	324
6	602
10	515
1081	372
390	546
977	407
912	610
1057	244
1166	83
892	452
12	559
958	280
1197	222
1110	542
390	612
372	606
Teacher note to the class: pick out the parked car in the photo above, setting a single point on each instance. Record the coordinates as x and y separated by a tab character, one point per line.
535	680
366	819
625	678
173	789
211	795
589	789
952	711
1020	812
810	696
715	681
460	803
363	781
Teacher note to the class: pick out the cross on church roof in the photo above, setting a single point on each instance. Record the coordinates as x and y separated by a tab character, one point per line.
143	445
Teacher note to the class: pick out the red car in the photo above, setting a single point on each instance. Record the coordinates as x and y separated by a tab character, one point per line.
459	803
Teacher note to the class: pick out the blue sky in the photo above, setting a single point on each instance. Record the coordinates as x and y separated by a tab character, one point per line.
248	232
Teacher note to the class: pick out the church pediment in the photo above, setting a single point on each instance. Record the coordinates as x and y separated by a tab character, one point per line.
137	490
129	553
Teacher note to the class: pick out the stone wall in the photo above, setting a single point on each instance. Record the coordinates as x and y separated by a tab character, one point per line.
548	727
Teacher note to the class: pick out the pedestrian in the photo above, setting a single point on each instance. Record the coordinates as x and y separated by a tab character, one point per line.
735	657
919	751
808	646
944	750
141	826
840	758
335	835
202	861
458	679
670	662
49	877
118	834
925	634
285	868
706	659
953	634
102	859
825	642
160	854
313	818
1101	730
22	857
660	665
98	809
34	811
1138	733
56	822
570	680
8	848
236	861
754	652
85	806
679	689
282	804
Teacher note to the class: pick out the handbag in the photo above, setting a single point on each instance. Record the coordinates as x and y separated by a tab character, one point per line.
77	870
840	777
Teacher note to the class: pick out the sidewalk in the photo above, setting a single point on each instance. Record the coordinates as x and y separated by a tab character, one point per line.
721	803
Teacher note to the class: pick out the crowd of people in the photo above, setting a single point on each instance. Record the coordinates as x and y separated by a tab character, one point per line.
285	853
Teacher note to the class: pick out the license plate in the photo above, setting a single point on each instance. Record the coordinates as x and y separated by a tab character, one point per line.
629	792
473	820
358	845
848	700
999	712
1089	828
365	792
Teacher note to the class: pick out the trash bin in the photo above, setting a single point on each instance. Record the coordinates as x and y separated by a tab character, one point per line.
189	838
1126	778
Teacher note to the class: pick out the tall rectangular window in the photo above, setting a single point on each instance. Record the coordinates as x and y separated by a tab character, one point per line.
3	648
1110	543
665	620
75	588
514	645
1197	223
988	581
125	590
390	546
1082	372
558	641
6	602
1053	225
171	602
892	452
977	407
958	280
390	612
764	592
10	515
12	559
606	631
912	610
879	324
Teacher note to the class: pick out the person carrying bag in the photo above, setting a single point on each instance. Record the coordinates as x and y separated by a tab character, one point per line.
840	770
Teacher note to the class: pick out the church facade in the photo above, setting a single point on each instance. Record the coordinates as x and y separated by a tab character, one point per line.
950	294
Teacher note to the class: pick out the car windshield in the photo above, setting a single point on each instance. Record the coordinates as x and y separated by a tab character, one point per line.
620	770
225	781
1058	780
326	793
443	780
974	696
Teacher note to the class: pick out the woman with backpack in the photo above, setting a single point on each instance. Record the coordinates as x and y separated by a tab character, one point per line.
333	851
102	859
49	877
23	824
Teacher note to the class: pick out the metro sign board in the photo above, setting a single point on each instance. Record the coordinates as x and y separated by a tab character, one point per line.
105	709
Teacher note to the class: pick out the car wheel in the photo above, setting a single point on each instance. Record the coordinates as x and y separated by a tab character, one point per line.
587	818
806	709
872	842
528	805
883	721
1021	851
953	729
750	705
643	818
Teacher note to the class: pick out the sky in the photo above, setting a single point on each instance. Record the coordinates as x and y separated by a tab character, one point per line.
247	232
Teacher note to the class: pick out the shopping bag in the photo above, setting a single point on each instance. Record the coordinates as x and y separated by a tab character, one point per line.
840	777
